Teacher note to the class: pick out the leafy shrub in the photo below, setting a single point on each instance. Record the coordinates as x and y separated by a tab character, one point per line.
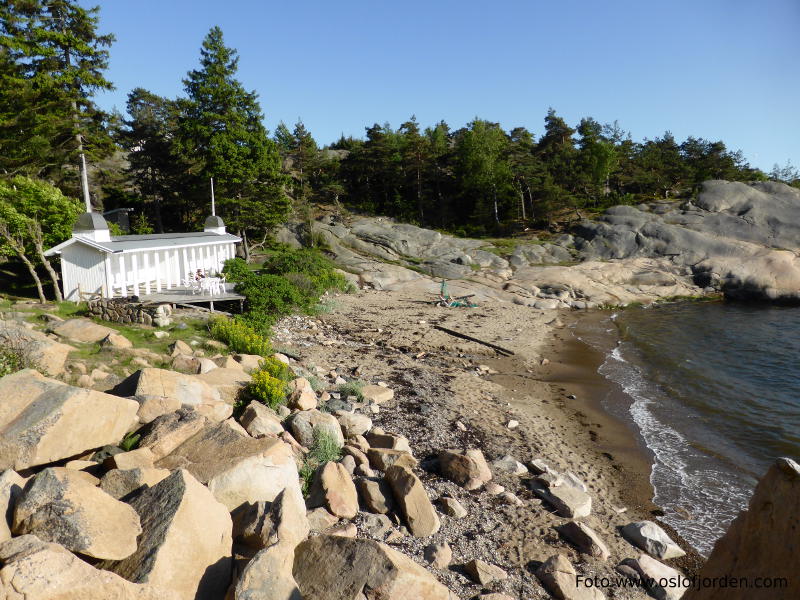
15	356
320	274
325	448
292	281
240	337
270	297
235	270
266	389
276	369
130	441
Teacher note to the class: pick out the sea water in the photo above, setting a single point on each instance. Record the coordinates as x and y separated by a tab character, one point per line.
713	390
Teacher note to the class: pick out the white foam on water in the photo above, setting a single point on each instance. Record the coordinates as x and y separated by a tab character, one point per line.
617	355
698	497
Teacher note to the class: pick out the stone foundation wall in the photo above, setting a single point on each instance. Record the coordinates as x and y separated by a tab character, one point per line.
122	310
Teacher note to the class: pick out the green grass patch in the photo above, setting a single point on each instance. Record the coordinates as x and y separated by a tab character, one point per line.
324	449
353	387
130	441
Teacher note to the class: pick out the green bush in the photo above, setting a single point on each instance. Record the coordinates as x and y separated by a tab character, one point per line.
240	337
320	274
291	281
271	295
130	441
236	270
15	356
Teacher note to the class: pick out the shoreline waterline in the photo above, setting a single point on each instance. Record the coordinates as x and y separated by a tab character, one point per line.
587	400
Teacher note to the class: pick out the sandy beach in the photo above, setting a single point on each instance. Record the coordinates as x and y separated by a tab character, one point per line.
453	393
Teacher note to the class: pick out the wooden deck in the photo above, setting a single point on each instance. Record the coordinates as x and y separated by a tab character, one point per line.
183	295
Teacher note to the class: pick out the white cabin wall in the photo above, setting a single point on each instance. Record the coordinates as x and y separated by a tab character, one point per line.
82	265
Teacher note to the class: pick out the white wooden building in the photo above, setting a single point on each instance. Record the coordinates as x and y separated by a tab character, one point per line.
93	262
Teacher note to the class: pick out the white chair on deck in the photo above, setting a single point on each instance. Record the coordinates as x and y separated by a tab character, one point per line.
210	284
192	283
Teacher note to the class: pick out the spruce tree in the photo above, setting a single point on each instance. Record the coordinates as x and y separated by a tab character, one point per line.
221	135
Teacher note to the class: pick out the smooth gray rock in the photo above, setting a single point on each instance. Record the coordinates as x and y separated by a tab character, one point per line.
649	537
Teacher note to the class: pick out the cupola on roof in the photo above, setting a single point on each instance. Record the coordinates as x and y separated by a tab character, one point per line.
90	222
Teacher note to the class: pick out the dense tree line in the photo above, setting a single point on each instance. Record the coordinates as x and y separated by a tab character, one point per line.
481	179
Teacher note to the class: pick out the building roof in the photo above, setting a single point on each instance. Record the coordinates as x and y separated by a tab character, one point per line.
214	221
155	241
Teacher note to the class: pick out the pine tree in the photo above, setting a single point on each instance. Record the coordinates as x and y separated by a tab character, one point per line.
52	64
221	135
415	154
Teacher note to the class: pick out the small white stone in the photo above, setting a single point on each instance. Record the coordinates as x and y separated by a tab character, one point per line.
512	424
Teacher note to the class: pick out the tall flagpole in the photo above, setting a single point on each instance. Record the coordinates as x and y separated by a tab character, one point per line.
85	184
213	212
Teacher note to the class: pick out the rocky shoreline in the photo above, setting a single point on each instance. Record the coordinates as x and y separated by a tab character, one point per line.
463	474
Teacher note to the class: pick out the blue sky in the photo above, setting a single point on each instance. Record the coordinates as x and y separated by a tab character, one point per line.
718	69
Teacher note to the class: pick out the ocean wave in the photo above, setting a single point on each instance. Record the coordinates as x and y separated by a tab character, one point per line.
698	497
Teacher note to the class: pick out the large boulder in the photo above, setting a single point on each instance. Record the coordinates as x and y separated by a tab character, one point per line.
569	501
762	541
261	421
584	538
278	531
410	494
663	582
43	420
186	540
82	330
468	469
483	573
37	570
121	483
333	488
339	568
152	407
265	524
167	432
188	389
234	466
46	354
227	382
303	424
64	506
649	537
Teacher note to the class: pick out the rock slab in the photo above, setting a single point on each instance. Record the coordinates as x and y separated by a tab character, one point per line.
762	541
410	494
186	540
64	506
234	466
37	570
649	537
341	568
43	420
